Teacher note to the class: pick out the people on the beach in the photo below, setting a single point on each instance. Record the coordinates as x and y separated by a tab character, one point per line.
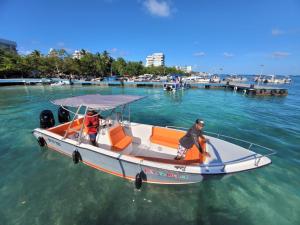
92	124
191	138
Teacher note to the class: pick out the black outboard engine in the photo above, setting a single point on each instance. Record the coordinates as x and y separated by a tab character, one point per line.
46	119
63	114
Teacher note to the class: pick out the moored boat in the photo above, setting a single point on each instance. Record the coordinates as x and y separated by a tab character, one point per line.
215	79
140	151
272	79
175	86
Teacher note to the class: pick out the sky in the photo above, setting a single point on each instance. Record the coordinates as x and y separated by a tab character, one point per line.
217	36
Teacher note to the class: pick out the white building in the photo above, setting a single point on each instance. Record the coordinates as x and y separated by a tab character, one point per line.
77	54
186	69
156	59
8	45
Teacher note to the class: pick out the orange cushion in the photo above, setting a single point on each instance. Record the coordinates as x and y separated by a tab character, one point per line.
122	144
164	142
194	154
170	138
119	140
166	137
61	129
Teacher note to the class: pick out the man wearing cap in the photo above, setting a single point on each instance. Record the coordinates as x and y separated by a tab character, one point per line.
92	124
190	139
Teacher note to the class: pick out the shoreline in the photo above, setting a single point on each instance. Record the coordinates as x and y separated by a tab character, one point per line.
245	89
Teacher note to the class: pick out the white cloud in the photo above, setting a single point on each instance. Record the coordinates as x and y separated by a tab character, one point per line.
24	51
158	7
228	55
280	54
277	32
199	54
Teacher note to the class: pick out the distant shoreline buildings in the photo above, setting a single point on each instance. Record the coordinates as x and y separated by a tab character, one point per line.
8	45
78	54
156	59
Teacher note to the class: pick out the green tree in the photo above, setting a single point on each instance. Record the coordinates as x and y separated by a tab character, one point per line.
134	68
119	66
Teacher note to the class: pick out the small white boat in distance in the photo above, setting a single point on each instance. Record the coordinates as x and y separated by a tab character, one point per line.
61	83
236	79
215	79
142	152
175	86
272	79
201	79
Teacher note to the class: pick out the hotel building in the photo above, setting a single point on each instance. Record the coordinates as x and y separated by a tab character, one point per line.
8	45
156	59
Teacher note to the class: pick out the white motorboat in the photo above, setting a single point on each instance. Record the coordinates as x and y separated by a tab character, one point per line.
61	83
272	79
236	79
203	79
215	79
142	152
175	86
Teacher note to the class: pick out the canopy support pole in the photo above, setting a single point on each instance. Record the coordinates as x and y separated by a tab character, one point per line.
70	125
129	113
81	129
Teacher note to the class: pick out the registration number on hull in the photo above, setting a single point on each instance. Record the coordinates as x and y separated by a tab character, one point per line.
163	173
54	141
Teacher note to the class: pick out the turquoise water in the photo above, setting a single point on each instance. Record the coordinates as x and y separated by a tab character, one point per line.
43	187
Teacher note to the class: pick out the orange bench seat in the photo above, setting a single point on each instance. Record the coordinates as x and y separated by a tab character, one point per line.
119	140
170	138
62	128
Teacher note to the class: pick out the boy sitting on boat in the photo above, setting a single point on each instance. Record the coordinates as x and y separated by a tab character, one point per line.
191	138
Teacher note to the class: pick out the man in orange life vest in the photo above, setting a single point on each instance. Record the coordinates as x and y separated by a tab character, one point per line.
92	124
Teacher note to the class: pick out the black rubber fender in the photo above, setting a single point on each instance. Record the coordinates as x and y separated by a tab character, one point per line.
138	181
42	141
76	157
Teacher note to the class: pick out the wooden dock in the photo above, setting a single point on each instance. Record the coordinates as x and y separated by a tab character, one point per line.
246	89
250	89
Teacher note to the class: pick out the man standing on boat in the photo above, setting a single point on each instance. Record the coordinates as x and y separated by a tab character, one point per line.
191	138
92	124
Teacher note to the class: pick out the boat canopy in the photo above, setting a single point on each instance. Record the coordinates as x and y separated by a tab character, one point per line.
97	101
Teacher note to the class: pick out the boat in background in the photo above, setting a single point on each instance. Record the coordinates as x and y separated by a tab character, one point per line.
272	79
215	79
141	152
236	78
58	83
200	79
175	86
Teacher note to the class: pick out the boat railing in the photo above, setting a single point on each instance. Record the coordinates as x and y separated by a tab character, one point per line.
250	145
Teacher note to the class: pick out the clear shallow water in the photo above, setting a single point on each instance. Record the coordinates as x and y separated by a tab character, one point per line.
44	187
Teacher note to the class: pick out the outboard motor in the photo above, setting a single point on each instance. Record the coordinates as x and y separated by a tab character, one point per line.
63	115
46	119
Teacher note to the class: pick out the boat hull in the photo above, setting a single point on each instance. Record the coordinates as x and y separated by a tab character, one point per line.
115	165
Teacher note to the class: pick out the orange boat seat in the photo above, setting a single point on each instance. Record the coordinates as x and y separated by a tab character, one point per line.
119	140
166	137
61	129
170	138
